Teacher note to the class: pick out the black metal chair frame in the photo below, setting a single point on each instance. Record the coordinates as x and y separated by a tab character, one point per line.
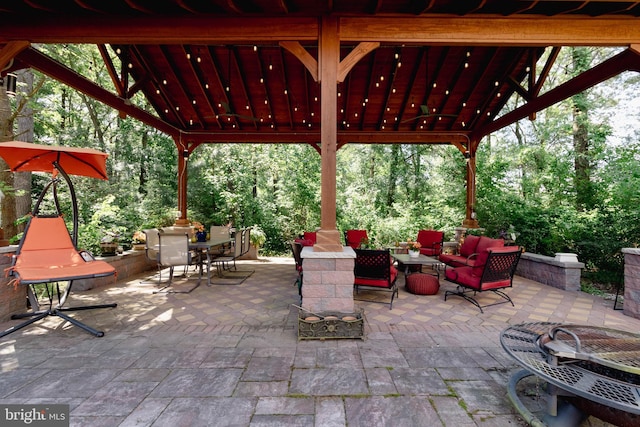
371	264
500	266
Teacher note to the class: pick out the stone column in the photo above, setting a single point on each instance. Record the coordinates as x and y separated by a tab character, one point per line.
631	306
328	280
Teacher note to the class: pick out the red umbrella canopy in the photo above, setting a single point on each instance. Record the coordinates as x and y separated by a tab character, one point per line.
28	157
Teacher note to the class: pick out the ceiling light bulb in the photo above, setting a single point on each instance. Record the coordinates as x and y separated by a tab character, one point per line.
246	107
178	108
435	84
313	114
286	92
446	92
188	56
377	84
191	122
164	81
497	84
206	85
194	102
158	91
397	55
261	80
355	115
255	48
266	101
464	124
393	90
130	65
413	105
381	78
464	104
466	65
270	67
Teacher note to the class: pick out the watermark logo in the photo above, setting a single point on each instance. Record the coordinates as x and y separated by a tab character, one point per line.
34	415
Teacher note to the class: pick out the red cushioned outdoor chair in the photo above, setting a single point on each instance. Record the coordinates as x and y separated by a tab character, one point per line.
373	270
430	242
493	272
355	238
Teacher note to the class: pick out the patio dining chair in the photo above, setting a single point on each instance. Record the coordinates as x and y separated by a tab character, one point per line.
173	250
223	263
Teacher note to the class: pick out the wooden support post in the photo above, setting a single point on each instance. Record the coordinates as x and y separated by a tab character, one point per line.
183	156
328	237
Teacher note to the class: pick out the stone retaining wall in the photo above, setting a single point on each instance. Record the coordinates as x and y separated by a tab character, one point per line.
562	271
13	299
631	306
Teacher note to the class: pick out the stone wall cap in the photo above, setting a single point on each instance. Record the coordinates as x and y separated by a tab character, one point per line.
631	251
347	252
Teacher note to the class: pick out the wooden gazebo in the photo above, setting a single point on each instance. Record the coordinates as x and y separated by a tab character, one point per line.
324	73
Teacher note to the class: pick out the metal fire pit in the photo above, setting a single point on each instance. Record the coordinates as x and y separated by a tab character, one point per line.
598	364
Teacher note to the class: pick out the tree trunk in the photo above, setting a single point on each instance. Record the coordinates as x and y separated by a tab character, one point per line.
22	180
582	165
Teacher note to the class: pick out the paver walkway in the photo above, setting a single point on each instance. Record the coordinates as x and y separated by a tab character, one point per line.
229	355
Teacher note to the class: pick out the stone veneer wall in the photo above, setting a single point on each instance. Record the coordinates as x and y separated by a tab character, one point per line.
562	271
631	306
13	300
328	280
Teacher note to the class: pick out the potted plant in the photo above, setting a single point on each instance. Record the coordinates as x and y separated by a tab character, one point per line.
139	241
200	233
414	248
256	239
109	242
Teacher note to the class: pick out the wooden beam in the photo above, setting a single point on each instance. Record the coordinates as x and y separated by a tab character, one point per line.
624	61
34	59
465	30
160	30
313	137
494	31
353	57
10	50
297	50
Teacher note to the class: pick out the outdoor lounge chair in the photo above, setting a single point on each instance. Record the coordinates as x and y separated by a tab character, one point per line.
373	270
430	242
47	256
355	238
493	271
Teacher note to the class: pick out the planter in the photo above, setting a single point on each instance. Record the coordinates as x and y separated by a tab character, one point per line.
330	325
108	249
139	246
414	254
201	236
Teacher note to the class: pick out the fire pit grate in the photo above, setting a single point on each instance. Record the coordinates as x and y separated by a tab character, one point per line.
597	364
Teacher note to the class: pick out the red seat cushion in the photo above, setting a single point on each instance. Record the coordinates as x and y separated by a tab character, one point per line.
355	237
310	236
469	245
487	242
431	242
380	283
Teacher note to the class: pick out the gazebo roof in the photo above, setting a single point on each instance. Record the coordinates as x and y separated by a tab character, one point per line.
437	71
